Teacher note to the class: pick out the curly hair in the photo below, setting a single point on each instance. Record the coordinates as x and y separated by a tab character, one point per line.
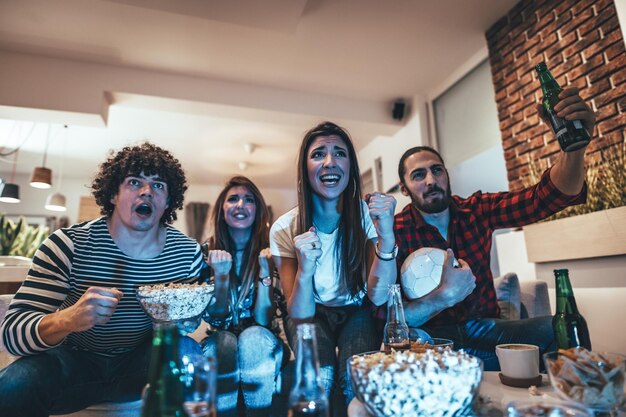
149	159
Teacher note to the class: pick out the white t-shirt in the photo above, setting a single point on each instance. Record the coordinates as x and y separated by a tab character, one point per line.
326	278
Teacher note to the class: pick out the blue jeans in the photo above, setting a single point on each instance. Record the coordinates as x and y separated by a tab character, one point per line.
250	362
341	332
63	380
480	337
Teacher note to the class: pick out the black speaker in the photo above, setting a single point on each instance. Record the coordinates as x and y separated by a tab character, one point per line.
398	109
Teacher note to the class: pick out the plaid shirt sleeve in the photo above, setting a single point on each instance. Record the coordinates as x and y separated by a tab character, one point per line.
520	208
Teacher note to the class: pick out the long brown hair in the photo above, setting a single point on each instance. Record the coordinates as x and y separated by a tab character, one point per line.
351	239
259	236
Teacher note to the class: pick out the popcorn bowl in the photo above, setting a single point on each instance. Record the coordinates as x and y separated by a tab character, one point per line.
402	383
179	304
593	379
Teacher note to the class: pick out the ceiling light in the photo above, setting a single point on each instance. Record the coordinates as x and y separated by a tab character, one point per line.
56	202
243	165
10	193
42	176
249	147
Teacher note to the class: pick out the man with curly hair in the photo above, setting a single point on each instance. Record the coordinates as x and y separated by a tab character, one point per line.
75	321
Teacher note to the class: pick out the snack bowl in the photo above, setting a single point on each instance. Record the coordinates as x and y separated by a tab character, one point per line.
430	383
180	304
546	408
593	379
436	343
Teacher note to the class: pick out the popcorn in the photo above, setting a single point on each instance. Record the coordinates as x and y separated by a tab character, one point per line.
174	301
429	384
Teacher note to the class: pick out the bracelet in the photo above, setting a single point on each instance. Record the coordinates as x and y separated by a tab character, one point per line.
219	322
386	256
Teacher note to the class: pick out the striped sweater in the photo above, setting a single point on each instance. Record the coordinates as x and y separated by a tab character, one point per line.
82	256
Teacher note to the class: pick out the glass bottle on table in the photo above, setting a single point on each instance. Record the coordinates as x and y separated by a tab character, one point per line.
163	396
307	397
396	334
570	327
571	134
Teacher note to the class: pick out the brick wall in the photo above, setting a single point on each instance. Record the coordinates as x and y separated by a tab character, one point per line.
582	44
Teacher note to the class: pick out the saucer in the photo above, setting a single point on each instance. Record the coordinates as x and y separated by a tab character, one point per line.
520	382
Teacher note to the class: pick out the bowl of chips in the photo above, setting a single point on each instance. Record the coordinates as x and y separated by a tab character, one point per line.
593	379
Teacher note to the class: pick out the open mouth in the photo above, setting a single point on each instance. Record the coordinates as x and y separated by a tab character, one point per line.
240	216
144	210
330	179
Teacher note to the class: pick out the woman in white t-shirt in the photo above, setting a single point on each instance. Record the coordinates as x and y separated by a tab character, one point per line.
335	253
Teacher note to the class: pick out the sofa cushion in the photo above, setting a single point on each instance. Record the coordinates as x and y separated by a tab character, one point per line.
508	294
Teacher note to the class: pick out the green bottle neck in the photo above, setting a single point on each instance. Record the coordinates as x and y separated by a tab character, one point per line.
548	83
565	301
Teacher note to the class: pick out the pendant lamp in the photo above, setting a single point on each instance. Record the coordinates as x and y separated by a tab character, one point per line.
42	176
56	201
11	191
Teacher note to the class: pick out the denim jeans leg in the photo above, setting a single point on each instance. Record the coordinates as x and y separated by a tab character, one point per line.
358	335
483	336
129	373
223	346
260	355
37	385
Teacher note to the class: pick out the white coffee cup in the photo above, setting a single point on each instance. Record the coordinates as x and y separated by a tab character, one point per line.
518	360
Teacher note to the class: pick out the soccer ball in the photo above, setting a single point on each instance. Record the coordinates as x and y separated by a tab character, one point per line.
421	272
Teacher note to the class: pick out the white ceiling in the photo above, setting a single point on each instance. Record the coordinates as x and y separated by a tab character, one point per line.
304	54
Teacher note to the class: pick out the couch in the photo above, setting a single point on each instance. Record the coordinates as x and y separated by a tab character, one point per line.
517	300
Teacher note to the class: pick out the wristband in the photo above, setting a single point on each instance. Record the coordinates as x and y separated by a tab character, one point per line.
386	256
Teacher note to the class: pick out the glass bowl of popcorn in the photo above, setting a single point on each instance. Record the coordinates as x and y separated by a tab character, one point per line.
180	304
422	384
593	379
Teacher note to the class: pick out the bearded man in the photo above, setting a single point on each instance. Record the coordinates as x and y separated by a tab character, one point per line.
464	307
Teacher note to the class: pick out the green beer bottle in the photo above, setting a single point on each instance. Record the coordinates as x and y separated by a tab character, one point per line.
571	134
163	396
570	328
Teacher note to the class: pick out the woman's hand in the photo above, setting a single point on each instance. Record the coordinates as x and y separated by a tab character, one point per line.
221	262
266	265
308	250
382	208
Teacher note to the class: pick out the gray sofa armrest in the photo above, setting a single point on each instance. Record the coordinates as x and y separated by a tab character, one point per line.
534	299
5	357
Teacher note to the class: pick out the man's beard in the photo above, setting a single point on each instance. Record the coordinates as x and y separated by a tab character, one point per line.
436	205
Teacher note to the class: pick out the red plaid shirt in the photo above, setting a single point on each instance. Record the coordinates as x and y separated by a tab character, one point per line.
472	221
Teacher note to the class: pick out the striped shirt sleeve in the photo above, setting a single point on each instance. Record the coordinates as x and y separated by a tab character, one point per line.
42	292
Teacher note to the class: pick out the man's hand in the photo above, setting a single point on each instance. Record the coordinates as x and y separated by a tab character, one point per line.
456	283
571	107
95	306
308	250
382	208
220	261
